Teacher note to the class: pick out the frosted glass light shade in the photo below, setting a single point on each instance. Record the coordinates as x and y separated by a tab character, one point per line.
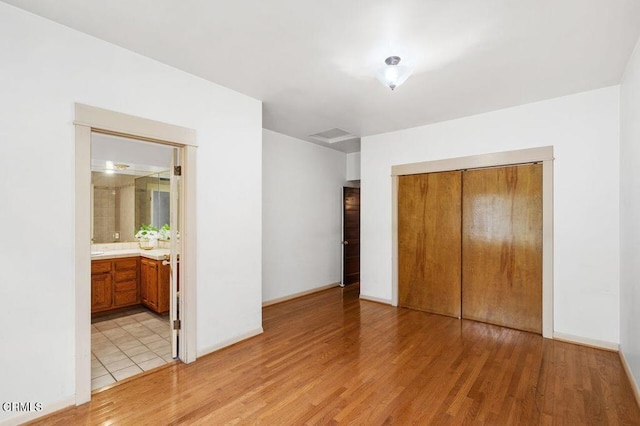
393	75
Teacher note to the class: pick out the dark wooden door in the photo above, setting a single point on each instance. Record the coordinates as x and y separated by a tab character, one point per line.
429	209
502	246
351	235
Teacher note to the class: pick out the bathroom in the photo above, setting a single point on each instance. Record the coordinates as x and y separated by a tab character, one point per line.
131	272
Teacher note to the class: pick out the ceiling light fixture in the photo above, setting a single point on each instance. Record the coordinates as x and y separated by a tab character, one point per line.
393	75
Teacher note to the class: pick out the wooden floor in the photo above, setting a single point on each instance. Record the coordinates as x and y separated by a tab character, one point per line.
331	358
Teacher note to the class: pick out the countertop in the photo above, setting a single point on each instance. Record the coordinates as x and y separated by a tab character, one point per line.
155	254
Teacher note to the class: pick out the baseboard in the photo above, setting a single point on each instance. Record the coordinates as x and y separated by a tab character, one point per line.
585	341
46	410
375	299
229	342
632	379
296	295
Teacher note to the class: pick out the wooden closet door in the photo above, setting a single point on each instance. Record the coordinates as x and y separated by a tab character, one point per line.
502	246
429	209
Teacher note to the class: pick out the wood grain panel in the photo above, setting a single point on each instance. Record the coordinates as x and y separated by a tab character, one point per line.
429	238
125	298
164	277
125	263
101	291
125	286
331	358
100	266
126	275
502	246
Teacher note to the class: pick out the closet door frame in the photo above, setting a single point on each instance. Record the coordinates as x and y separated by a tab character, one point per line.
542	155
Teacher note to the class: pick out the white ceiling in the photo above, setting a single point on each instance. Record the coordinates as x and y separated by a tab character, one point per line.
141	158
312	63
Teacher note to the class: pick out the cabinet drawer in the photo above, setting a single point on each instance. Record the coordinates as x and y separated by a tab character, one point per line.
126	286
123	298
120	276
100	266
125	264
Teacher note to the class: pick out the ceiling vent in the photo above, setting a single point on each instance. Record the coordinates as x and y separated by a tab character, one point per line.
333	136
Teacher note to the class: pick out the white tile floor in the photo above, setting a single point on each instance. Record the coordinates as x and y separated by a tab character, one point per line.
128	345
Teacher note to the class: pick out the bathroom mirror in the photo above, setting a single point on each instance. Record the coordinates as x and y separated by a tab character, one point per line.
152	198
122	203
129	187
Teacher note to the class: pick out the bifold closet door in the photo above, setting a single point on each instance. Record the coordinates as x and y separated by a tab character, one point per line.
502	246
429	209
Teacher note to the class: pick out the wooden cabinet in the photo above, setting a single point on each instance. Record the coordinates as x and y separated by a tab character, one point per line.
117	283
101	291
125	282
148	275
101	286
114	283
154	285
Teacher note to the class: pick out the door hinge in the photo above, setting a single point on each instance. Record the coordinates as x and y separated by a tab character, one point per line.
177	170
176	324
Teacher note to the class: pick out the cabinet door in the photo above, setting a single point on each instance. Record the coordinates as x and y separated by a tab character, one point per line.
164	273
101	292
152	285
429	234
144	277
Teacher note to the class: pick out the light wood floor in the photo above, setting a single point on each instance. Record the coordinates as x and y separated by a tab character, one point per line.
331	358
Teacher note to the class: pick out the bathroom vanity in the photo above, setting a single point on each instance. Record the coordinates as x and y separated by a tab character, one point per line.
124	278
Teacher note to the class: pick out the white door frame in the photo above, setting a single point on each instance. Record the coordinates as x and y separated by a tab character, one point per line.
342	239
543	155
88	118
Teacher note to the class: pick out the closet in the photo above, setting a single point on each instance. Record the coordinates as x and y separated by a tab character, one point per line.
470	244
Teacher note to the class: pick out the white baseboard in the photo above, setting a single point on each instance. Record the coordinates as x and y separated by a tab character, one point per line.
632	379
585	341
46	410
229	342
375	299
300	294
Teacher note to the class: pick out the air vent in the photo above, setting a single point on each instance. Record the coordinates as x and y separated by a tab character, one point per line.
333	136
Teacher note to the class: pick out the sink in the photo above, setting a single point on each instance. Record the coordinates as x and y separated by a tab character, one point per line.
96	253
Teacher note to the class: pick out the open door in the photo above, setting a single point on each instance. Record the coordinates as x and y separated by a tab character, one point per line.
174	258
350	235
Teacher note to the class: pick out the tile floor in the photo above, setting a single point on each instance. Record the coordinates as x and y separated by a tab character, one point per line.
124	346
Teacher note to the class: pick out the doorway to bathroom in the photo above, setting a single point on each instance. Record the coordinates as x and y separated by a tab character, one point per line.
125	282
134	222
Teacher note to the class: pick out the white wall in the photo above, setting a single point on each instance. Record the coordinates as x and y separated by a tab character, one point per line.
584	131
629	215
301	217
46	68
353	166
